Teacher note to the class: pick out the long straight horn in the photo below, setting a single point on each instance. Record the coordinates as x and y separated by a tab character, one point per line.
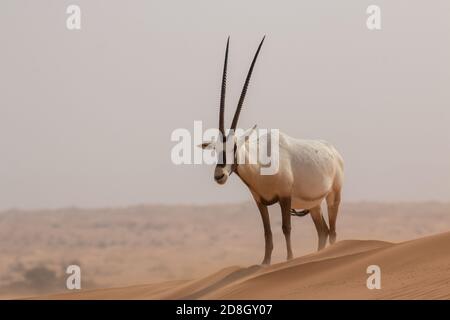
244	89
223	91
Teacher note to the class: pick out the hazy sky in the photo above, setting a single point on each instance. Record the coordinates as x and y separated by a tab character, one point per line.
86	116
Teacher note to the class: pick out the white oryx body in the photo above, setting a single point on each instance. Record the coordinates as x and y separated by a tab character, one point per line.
309	171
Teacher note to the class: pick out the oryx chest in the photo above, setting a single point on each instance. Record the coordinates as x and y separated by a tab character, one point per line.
266	189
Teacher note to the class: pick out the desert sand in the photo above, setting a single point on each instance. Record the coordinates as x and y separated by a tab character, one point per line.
168	246
417	269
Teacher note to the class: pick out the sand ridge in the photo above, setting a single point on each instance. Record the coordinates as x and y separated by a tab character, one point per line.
417	269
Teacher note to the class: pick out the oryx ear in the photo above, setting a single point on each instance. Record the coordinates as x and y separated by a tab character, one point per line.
250	131
239	139
207	145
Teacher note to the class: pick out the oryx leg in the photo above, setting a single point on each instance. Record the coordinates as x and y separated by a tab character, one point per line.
321	226
333	201
267	232
285	205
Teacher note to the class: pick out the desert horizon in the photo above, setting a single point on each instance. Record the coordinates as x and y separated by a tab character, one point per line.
145	244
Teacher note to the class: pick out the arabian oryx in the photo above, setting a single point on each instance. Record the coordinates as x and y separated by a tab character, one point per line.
309	171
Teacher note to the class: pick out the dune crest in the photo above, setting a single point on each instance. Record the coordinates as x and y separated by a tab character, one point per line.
417	269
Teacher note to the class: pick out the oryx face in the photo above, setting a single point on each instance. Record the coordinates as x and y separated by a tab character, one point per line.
226	160
225	149
226	145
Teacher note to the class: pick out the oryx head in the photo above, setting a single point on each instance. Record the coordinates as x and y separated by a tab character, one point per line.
227	144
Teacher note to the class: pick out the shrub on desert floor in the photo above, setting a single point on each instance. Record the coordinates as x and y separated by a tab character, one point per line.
41	277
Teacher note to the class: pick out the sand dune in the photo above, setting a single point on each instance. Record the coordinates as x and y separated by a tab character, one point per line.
117	247
417	269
